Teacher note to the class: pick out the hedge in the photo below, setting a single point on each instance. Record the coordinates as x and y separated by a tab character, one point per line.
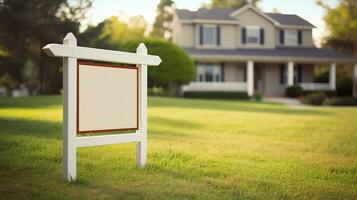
340	102
294	91
216	95
316	98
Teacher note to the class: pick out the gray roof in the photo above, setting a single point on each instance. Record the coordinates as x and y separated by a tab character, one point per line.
210	14
291	20
297	52
224	14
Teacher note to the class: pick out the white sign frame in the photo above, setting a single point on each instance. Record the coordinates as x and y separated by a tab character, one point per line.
70	53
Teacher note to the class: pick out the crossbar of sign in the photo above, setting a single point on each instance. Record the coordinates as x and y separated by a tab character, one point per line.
102	97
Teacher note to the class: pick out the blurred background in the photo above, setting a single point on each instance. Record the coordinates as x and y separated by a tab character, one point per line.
27	25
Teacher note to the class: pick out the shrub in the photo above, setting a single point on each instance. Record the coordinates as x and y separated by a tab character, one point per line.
344	87
258	96
340	102
217	95
156	91
294	91
329	94
177	67
316	98
9	83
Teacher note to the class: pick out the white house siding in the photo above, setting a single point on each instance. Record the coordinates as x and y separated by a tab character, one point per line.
307	39
307	73
272	85
187	38
234	72
228	36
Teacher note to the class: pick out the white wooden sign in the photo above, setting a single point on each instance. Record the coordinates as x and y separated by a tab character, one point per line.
101	98
107	98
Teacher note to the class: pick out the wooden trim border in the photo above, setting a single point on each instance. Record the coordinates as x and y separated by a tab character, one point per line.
95	64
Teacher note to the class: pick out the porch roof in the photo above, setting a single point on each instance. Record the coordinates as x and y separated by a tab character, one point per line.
279	54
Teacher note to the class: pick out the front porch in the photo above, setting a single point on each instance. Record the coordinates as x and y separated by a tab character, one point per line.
269	79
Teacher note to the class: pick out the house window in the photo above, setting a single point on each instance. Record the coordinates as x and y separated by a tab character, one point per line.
209	35
253	35
209	73
291	37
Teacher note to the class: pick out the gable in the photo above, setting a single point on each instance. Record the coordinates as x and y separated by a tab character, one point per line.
252	18
252	12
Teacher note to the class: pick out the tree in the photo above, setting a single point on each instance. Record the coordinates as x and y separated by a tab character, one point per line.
176	69
231	3
341	24
117	31
112	32
26	26
162	24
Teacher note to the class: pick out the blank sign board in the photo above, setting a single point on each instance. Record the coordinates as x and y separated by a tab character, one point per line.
107	98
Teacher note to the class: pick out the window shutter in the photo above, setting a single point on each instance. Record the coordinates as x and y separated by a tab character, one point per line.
262	36
299	73
282	36
201	34
244	35
282	70
222	71
218	35
300	37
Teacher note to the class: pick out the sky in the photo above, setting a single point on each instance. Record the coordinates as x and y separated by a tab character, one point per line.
307	9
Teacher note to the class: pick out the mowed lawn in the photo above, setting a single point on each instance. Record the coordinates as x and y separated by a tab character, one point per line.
197	149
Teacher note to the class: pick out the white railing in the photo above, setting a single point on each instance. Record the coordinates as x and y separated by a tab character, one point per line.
316	86
216	86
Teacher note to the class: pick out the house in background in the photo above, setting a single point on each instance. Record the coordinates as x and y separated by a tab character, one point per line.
247	50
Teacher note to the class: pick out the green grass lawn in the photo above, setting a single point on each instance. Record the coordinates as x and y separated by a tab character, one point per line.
197	149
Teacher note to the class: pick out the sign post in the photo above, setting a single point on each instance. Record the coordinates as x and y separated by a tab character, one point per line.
142	145
69	112
102	98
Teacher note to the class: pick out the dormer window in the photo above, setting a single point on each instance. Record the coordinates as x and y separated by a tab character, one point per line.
253	35
291	37
209	35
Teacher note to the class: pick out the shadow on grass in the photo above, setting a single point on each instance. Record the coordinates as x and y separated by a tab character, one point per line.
234	106
43	129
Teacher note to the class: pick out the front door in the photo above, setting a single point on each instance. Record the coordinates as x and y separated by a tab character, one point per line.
258	78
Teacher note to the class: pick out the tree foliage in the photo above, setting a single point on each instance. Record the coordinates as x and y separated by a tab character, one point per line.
341	23
231	3
26	26
162	24
177	67
114	31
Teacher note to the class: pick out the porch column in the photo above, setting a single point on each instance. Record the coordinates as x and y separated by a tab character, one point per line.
354	79
290	73
332	79
250	78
